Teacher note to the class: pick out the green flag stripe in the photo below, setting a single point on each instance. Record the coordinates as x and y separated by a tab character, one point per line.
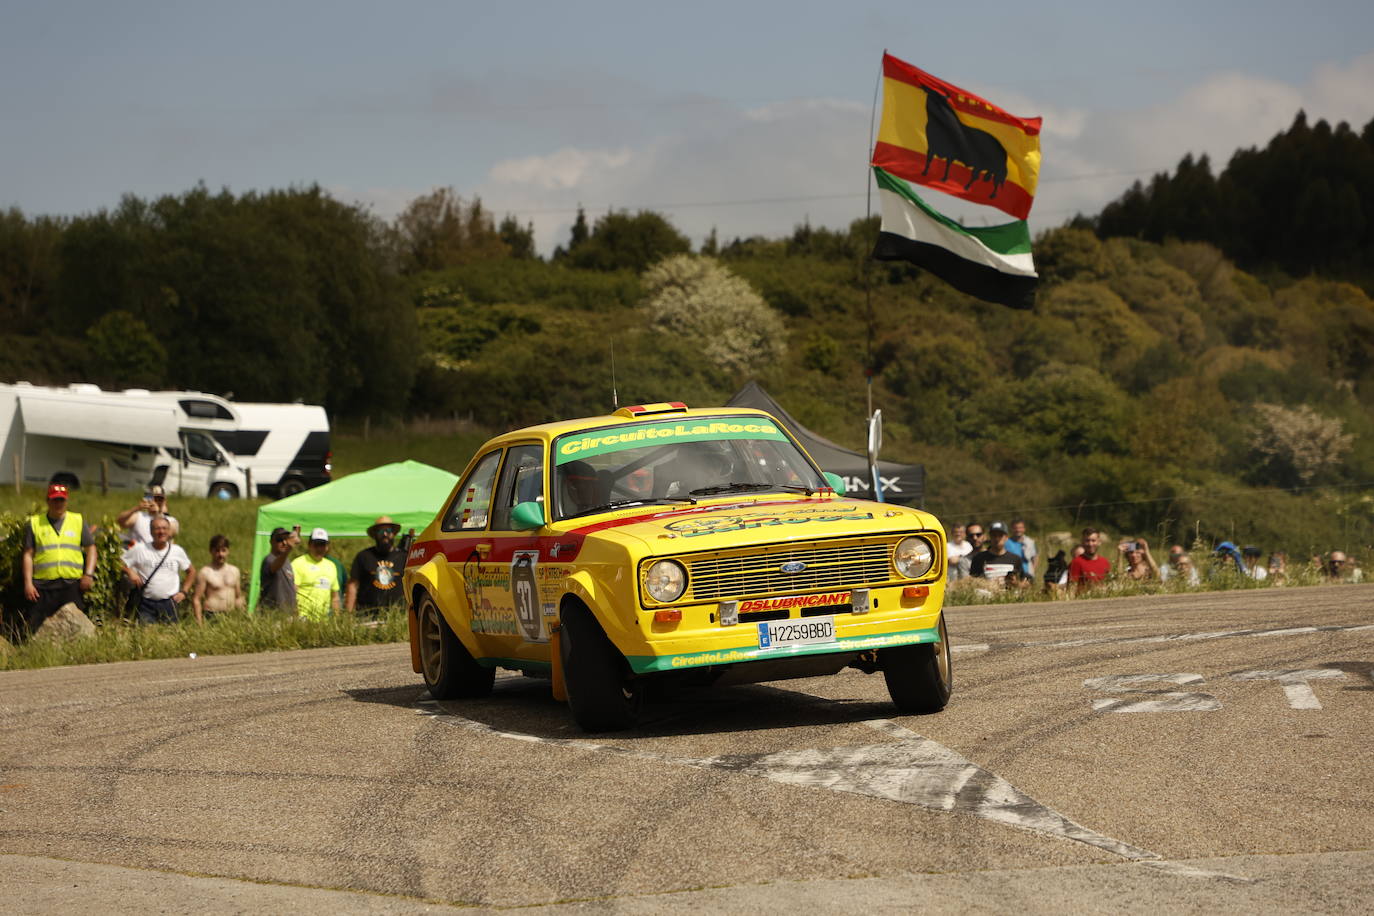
1006	239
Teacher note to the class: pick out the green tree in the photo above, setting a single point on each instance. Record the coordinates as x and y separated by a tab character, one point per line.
620	241
438	230
125	353
273	297
29	268
520	241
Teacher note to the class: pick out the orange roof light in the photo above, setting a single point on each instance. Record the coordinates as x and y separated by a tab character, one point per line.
646	410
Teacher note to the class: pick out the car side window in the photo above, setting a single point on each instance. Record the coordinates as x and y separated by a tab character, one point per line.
522	481
472	504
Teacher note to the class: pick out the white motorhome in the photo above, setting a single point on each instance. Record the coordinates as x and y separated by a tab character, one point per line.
285	447
82	436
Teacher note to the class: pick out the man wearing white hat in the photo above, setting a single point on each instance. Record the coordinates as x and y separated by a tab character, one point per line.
317	579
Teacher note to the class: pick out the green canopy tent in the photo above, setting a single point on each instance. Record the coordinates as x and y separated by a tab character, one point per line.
408	491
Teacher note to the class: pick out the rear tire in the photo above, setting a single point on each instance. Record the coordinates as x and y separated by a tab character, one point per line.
449	669
603	694
69	480
920	677
291	486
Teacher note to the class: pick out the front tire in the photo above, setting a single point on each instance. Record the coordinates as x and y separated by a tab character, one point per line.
603	694
449	669
224	491
919	678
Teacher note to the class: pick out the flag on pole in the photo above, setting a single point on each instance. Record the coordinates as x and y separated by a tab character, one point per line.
992	263
941	136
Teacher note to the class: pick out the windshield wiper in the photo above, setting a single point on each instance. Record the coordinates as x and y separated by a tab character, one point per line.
738	487
623	503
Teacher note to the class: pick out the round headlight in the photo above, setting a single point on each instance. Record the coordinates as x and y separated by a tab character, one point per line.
666	581
913	557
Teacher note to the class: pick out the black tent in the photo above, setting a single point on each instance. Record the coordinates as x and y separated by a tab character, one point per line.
901	483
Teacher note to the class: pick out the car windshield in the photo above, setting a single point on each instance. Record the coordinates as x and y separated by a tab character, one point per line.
673	461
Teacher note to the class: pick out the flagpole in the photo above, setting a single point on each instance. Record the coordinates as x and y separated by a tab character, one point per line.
868	261
868	280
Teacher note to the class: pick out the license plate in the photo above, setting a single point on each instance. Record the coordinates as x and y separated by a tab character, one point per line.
808	631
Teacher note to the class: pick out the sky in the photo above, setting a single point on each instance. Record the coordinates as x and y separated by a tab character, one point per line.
739	117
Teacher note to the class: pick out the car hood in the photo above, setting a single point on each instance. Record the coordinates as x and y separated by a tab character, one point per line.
720	524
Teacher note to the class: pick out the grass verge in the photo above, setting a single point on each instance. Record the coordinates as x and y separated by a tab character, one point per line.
236	634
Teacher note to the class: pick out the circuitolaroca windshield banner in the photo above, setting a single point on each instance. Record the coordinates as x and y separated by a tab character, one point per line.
599	442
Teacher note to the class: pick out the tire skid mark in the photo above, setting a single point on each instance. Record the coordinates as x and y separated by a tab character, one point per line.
912	770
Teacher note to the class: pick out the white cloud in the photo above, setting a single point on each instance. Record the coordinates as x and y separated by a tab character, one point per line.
564	169
759	171
1343	93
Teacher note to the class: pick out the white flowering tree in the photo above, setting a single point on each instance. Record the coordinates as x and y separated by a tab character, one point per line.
705	304
1299	439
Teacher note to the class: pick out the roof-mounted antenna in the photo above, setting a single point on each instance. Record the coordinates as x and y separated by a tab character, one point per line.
615	396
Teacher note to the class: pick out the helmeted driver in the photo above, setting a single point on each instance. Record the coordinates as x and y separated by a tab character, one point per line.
578	487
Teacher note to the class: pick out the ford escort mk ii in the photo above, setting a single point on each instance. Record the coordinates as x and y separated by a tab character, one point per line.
673	544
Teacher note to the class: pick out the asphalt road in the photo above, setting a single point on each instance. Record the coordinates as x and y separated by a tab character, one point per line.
1193	753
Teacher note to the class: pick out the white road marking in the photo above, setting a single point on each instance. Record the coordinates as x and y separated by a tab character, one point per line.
971	647
1172	637
913	770
1150	700
1294	682
1190	871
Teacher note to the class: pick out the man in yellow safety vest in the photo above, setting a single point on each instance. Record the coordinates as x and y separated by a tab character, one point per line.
58	559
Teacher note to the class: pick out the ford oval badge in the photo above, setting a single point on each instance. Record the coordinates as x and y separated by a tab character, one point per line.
792	566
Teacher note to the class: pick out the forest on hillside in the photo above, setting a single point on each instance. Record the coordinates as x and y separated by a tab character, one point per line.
1178	376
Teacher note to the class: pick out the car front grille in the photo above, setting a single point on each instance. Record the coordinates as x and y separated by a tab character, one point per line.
756	571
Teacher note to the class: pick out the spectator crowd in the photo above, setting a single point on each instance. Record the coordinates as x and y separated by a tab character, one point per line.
996	556
160	584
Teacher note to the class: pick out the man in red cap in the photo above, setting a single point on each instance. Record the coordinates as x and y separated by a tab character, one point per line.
58	559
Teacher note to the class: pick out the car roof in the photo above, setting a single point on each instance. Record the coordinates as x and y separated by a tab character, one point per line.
550	431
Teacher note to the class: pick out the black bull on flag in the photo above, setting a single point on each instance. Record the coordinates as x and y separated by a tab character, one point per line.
901	483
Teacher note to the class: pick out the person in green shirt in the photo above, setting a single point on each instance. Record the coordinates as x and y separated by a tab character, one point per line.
317	579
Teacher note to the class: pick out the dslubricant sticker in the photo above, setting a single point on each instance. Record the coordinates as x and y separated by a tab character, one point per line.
599	442
778	604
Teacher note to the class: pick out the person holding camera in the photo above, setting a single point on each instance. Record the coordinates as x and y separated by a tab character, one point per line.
1139	564
137	521
277	580
154	570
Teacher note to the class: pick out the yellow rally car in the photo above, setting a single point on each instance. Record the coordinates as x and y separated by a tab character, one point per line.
663	542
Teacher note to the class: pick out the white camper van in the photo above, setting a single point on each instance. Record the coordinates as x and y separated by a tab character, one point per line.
285	447
80	435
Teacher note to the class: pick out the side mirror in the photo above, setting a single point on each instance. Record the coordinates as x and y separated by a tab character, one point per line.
836	483
526	516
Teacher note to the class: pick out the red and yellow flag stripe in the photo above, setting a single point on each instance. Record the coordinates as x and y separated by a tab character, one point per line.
935	134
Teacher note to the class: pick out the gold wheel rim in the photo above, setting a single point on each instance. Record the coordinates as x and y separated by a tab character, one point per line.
942	659
431	643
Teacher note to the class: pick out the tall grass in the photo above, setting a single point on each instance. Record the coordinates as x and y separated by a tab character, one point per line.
229	634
